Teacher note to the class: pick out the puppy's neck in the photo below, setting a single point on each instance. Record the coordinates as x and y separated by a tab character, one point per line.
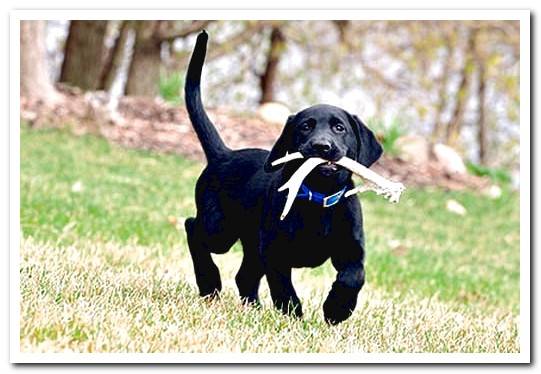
327	184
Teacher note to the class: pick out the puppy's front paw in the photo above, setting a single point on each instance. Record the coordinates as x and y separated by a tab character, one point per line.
209	284
335	314
250	301
339	304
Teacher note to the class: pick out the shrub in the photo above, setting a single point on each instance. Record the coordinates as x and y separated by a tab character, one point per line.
497	175
171	87
387	134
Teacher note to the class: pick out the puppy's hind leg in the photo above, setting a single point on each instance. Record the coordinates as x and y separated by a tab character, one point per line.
207	275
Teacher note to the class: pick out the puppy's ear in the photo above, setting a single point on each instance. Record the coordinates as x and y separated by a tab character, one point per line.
282	145
368	148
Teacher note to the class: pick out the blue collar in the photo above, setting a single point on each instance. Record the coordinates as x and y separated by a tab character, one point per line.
326	201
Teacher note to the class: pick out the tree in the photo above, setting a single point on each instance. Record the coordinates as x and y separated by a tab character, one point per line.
481	119
267	80
115	56
35	81
443	82
466	72
144	70
84	54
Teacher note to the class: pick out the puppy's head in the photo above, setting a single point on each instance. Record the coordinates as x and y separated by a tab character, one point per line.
327	132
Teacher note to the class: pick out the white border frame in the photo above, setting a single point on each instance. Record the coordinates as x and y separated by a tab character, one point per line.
297	14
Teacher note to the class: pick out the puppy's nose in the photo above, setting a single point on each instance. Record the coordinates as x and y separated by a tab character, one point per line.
322	147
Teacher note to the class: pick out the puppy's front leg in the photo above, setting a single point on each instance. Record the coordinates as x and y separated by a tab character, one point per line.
282	292
342	298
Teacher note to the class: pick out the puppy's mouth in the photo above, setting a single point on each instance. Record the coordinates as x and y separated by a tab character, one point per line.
328	168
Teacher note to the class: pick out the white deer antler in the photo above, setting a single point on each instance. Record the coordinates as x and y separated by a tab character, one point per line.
390	190
294	183
381	186
288	157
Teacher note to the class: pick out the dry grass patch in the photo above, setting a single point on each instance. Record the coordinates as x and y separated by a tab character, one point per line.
106	297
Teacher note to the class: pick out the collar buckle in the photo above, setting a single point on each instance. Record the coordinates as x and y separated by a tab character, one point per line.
333	199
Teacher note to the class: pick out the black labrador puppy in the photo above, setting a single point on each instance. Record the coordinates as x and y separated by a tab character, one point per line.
237	199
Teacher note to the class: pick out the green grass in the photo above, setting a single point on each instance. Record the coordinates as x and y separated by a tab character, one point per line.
170	87
497	175
120	224
126	196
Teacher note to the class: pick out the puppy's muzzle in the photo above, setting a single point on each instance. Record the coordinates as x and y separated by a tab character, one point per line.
323	148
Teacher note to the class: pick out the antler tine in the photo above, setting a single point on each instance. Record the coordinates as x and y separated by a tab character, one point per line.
294	183
288	157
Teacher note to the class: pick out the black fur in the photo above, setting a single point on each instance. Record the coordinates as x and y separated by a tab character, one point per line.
237	199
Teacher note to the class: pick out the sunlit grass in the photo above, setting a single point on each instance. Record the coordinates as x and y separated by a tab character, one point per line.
105	266
125	298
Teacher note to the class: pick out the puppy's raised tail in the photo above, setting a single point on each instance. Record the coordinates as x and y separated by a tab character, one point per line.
212	144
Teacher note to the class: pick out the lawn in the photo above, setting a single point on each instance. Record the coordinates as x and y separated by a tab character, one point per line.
105	267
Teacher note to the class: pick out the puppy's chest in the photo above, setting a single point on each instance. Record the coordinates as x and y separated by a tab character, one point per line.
310	250
309	224
311	239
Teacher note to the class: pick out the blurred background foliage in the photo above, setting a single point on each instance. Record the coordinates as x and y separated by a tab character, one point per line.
454	82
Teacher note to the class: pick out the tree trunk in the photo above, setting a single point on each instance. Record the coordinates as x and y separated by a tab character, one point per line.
267	80
144	71
35	81
437	129
455	124
342	27
114	58
84	54
481	96
482	135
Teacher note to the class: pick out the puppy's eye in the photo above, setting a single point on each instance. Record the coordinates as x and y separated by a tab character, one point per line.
339	127
307	125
